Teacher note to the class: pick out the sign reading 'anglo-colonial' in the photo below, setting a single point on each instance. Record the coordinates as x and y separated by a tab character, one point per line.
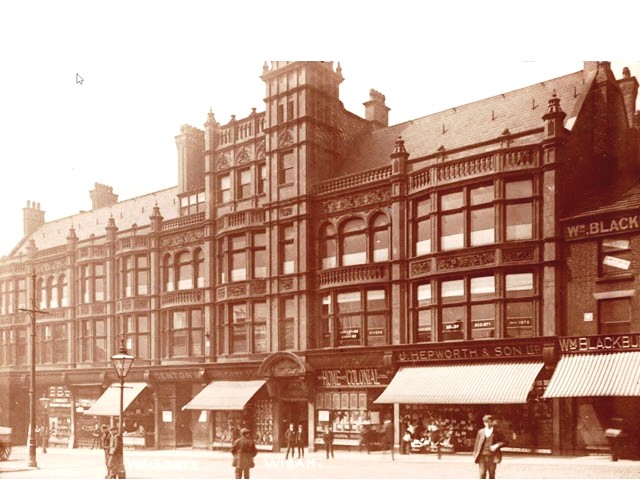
600	342
427	354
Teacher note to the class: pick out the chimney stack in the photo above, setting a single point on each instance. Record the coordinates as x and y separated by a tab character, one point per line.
375	110
33	217
629	88
102	196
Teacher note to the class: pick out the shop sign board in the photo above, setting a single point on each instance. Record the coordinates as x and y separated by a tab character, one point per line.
604	226
469	352
353	377
600	343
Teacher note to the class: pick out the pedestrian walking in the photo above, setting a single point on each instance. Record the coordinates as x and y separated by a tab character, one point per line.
290	438
116	462
387	437
244	450
615	434
327	438
487	449
96	436
435	437
300	442
105	444
365	436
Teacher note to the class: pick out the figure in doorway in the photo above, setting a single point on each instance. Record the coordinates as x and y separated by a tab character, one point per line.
300	442
290	438
327	438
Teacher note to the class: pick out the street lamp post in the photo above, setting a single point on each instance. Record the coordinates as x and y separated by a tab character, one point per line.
44	401
32	371
122	362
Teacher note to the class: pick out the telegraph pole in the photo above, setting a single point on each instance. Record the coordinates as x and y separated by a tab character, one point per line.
32	370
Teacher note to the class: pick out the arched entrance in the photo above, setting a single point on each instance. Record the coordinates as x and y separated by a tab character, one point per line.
290	384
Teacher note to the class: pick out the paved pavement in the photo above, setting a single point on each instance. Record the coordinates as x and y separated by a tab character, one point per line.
62	463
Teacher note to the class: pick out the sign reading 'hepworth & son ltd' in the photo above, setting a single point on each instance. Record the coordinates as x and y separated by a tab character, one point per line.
470	352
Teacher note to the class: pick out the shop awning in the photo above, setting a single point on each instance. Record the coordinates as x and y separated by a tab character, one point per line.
225	395
108	405
462	383
596	375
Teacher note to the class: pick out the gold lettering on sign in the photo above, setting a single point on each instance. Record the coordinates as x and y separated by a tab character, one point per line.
462	353
350	377
600	342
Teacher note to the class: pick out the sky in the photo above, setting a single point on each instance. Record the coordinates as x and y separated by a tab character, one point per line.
150	67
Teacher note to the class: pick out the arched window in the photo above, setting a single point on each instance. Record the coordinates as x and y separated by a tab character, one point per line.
167	274
198	268
328	246
354	243
380	238
184	271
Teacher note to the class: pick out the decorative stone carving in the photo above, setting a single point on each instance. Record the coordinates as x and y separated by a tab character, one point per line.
237	291
258	287
221	293
260	151
181	239
286	284
49	267
242	157
518	255
285	139
465	261
420	268
285	368
357	200
286	211
223	162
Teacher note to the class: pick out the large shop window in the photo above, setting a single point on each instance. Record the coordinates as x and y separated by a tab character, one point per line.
92	340
467	308
242	327
182	333
136	329
614	316
519	210
614	256
355	317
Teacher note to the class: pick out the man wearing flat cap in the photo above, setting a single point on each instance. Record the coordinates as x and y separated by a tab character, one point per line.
243	450
486	451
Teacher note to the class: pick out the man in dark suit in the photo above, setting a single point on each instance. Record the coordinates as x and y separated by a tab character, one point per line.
486	451
243	450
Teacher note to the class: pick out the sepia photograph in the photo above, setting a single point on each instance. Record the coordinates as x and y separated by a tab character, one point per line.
315	240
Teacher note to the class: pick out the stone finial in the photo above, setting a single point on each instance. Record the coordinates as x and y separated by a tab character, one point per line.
554	104
339	69
626	73
399	147
265	67
211	119
71	236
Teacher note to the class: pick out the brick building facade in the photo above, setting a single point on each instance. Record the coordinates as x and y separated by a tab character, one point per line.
320	268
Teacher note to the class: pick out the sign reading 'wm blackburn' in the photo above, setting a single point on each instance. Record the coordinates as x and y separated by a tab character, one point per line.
604	226
600	343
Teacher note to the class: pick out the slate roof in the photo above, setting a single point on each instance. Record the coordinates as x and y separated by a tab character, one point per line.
599	201
519	110
135	210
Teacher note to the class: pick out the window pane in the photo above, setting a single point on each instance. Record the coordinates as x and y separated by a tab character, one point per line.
616	310
423	207
376	300
519	221
451	201
424	294
519	319
354	250
349	302
179	320
381	246
519	189
452	231
423	243
519	284
424	325
259	240
238	266
179	344
482	287
376	329
481	195
482	226
483	321
329	253
259	264
452	323
453	290
349	329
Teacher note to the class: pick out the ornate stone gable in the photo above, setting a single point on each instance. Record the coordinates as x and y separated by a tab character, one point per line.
285	138
357	200
223	162
242	157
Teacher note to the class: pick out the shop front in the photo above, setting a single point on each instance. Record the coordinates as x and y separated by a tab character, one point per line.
235	398
346	386
597	385
454	385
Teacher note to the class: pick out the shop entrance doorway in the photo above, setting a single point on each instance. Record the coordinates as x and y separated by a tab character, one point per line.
293	412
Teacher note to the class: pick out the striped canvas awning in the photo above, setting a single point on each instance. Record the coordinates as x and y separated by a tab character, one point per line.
596	375
462	383
225	395
108	405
